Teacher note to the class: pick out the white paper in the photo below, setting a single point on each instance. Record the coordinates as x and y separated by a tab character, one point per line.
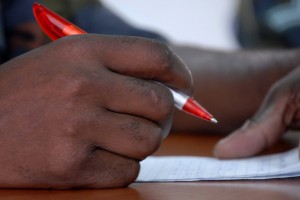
191	168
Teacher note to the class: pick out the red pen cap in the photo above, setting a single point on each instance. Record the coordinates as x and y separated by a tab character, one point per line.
54	25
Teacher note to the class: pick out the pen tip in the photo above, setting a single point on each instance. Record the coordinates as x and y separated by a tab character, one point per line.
213	120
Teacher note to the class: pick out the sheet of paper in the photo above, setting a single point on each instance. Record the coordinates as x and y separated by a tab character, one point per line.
190	168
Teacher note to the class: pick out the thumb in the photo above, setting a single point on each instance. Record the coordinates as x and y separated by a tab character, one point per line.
258	133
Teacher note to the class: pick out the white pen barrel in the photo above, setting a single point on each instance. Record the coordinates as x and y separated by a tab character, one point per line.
179	98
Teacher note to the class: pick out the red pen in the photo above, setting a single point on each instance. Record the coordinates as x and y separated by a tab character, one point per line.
56	27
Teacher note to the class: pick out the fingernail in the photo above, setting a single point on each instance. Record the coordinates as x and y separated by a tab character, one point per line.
246	124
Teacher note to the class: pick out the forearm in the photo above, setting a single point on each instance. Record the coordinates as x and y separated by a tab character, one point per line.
231	85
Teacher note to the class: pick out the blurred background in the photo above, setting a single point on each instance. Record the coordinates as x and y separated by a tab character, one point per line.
213	24
205	23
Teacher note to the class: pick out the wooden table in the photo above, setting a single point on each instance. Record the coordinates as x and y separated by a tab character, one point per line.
182	144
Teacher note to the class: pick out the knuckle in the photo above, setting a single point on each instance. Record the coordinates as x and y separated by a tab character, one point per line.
101	169
151	143
157	96
146	135
63	164
121	173
74	44
162	100
129	175
163	56
72	84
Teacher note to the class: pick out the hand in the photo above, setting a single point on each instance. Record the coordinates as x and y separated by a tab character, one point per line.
83	111
279	112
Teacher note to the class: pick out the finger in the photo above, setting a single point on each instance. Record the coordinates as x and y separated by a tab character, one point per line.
103	169
123	134
133	96
138	57
258	133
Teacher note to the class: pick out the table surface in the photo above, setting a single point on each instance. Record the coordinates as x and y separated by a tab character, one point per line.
183	144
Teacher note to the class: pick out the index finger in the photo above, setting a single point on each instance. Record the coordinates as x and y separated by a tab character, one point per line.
141	58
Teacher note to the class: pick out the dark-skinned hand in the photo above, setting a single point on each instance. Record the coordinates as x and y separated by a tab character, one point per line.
279	113
83	111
